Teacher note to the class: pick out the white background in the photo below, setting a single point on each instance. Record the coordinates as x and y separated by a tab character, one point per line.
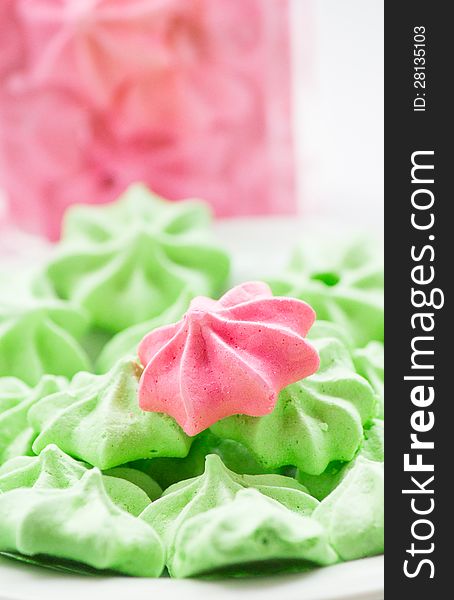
338	53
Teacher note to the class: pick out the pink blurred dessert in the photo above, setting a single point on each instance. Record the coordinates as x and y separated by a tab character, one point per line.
193	98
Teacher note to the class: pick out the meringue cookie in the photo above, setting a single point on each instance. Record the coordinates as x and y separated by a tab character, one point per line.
16	398
343	282
371	448
370	363
235	456
217	486
353	513
97	419
129	261
125	342
39	334
226	357
250	534
53	469
316	421
79	523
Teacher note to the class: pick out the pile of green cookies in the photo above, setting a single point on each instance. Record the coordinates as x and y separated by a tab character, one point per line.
88	479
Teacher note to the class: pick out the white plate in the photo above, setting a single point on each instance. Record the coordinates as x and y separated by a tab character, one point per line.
259	247
355	580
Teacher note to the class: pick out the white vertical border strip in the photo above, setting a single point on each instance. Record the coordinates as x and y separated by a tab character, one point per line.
338	101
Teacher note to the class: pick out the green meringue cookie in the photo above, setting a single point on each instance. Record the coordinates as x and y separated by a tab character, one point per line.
235	456
342	281
353	512
54	469
129	261
216	486
370	363
80	523
98	419
38	333
250	534
371	448
126	342
315	421
16	398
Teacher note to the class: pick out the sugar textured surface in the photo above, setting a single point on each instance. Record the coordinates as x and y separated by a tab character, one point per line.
227	357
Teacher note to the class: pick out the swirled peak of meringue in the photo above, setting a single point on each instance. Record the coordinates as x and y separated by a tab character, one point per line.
53	469
227	357
79	522
216	487
129	261
97	419
248	535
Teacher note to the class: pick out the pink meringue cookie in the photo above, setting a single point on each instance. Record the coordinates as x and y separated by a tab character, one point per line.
226	357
